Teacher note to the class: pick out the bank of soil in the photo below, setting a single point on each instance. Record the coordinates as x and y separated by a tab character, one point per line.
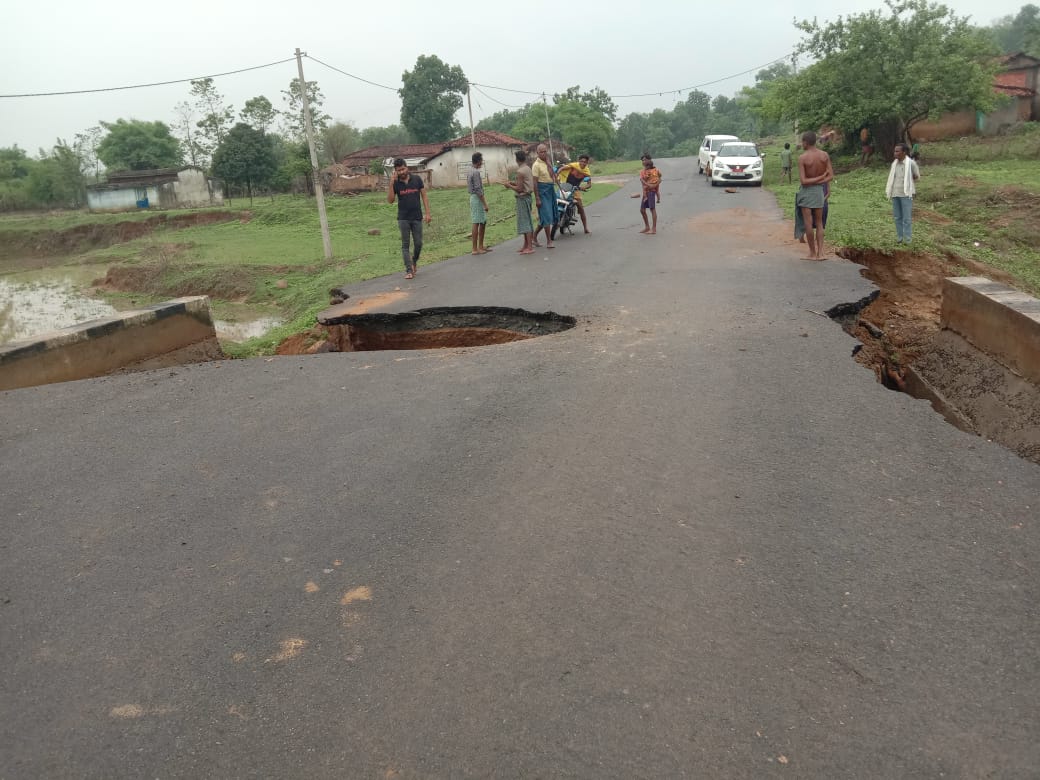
905	348
83	238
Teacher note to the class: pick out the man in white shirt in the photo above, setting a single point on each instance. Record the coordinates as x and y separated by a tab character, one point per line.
900	190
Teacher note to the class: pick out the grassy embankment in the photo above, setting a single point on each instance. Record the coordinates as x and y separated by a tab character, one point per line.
978	198
273	261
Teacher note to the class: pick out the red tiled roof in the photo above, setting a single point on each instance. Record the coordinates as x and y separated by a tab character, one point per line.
488	138
1014	90
364	156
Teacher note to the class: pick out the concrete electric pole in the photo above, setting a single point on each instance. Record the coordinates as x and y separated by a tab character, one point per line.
315	174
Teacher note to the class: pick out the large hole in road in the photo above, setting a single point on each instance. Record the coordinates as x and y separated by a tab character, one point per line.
436	328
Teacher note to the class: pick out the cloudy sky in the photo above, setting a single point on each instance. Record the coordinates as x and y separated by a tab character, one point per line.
625	47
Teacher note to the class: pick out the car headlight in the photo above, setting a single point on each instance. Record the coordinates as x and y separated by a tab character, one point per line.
719	165
756	165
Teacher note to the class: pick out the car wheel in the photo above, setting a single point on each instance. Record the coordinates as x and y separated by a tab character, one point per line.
713	183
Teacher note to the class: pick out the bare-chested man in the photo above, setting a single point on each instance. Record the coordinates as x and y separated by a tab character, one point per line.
814	170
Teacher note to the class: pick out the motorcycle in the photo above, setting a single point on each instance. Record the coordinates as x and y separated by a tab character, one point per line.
567	207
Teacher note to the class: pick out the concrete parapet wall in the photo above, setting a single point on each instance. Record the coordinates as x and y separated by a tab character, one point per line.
139	338
999	320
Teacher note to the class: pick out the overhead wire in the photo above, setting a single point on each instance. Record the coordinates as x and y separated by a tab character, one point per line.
152	84
351	75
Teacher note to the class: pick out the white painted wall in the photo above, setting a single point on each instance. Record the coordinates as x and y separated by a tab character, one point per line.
451	168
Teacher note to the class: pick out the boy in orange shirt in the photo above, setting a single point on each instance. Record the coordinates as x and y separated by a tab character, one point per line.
650	178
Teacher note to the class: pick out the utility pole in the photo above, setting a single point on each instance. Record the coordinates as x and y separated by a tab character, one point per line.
315	174
548	131
469	102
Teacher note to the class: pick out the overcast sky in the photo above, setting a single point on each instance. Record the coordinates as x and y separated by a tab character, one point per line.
625	47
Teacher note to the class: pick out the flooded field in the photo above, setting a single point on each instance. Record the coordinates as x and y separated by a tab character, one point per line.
42	300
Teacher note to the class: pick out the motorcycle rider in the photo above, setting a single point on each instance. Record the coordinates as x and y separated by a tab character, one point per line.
575	174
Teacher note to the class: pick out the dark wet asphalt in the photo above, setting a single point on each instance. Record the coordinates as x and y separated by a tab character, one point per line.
689	537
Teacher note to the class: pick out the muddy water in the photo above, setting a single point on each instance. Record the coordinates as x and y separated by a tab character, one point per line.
36	302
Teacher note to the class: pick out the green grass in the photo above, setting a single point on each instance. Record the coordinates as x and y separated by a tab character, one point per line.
614	167
62	220
987	211
275	260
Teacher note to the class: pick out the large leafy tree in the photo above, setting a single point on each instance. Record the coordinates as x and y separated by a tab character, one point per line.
293	118
1020	32
502	121
596	99
385	136
216	116
890	71
431	93
259	114
245	158
135	145
338	140
57	179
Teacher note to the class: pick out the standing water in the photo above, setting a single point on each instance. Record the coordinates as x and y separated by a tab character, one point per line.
36	302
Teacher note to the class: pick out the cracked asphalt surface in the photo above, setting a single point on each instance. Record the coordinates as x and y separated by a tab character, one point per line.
689	537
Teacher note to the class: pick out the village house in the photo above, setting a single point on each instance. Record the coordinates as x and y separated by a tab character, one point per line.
1017	81
445	164
164	188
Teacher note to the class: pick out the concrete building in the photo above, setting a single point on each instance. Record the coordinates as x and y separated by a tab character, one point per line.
163	188
445	164
1017	82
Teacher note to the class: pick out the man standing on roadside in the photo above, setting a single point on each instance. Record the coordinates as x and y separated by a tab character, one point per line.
522	188
407	187
814	170
545	194
478	208
900	190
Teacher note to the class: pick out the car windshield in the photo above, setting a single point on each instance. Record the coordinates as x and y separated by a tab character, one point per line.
717	142
738	150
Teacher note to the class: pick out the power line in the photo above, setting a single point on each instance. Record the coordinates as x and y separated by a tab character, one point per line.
142	86
485	94
351	75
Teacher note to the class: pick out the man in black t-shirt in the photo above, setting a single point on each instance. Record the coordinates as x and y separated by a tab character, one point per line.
407	188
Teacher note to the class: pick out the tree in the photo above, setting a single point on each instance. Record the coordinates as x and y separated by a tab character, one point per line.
216	115
259	114
188	133
57	180
389	135
595	98
890	72
15	167
586	129
338	140
430	96
135	145
502	121
1020	32
245	158
631	135
295	125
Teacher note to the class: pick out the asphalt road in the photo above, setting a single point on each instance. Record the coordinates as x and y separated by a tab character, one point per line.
690	537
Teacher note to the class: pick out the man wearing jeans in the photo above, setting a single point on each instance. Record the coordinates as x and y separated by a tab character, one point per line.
900	190
407	187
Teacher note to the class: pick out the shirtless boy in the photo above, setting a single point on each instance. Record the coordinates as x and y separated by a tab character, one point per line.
814	170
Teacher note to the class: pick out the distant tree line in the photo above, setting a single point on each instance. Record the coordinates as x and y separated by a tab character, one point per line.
887	70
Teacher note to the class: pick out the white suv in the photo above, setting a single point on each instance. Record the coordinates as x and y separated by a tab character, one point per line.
709	147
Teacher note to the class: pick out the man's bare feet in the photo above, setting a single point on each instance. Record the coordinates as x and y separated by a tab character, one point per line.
526	252
550	246
409	275
652	232
645	230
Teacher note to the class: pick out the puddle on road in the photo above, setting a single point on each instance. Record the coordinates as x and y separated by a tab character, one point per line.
37	302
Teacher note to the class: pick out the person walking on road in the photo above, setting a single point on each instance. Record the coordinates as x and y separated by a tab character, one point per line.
650	178
575	174
900	190
478	207
814	170
522	188
407	188
545	194
785	163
